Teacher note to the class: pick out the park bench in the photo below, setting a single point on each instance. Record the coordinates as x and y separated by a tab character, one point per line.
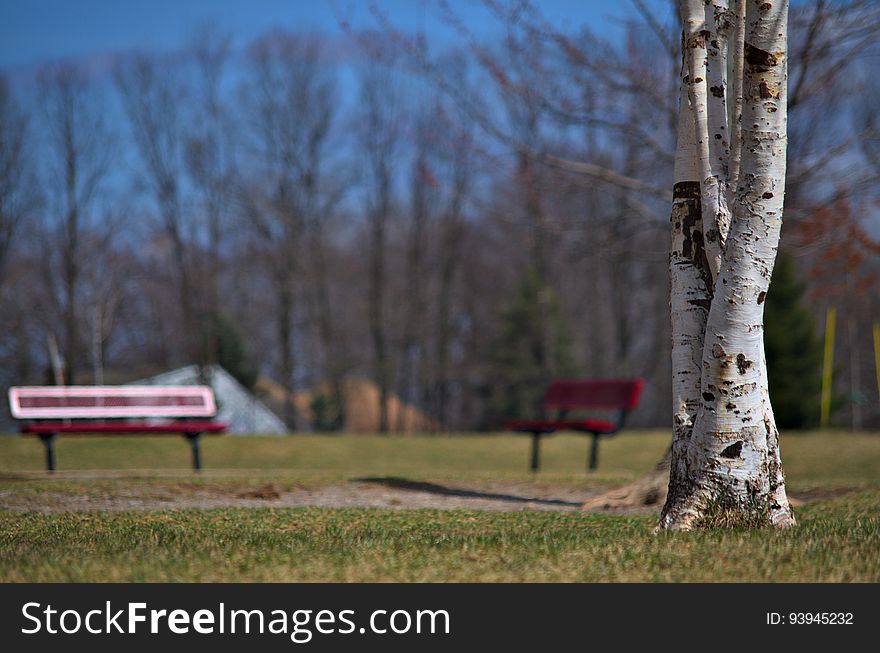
48	411
566	395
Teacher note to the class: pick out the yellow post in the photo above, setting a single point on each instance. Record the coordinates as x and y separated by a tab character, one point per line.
825	414
877	354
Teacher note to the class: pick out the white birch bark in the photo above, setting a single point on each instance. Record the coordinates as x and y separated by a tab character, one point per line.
732	457
735	105
690	285
705	53
716	221
780	511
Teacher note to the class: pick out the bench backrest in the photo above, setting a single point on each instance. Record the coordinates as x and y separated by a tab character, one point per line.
109	402
593	394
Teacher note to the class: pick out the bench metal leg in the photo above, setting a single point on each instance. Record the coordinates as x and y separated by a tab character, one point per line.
536	451
196	450
49	440
594	452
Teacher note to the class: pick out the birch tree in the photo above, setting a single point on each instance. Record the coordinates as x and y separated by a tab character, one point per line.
726	466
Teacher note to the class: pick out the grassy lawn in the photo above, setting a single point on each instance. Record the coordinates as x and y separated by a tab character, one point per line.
328	458
838	538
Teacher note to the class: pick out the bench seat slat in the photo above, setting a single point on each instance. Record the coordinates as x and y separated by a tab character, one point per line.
607	394
551	426
178	426
106	402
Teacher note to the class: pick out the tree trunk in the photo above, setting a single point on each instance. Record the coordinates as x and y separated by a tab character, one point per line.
379	142
284	325
192	331
452	233
728	470
71	282
451	250
724	466
413	341
377	316
326	331
535	214
690	283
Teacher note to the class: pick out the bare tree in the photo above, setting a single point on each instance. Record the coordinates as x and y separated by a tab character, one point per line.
80	156
291	107
18	188
379	142
152	98
322	188
412	345
210	162
869	125
456	168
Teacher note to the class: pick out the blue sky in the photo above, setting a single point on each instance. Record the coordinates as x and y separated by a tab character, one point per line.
33	32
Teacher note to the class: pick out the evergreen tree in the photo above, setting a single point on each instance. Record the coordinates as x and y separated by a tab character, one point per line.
793	349
329	412
232	354
533	347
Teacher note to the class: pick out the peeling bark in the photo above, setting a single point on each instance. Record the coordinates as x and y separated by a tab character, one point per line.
704	52
690	281
735	109
729	462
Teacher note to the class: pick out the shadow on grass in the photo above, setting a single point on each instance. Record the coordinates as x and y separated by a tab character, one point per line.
398	483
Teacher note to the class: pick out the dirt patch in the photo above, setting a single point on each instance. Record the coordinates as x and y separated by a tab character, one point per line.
819	494
269	492
118	492
378	492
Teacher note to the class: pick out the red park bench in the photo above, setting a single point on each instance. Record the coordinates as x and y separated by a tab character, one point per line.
564	396
48	411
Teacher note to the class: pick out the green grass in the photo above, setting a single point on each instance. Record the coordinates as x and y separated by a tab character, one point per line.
811	460
837	541
838	538
327	458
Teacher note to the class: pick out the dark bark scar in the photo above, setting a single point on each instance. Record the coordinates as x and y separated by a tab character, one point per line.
760	61
742	363
733	451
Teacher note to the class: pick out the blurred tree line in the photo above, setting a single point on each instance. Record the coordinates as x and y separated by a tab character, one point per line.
458	225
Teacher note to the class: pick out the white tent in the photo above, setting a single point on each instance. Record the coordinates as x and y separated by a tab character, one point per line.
245	414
